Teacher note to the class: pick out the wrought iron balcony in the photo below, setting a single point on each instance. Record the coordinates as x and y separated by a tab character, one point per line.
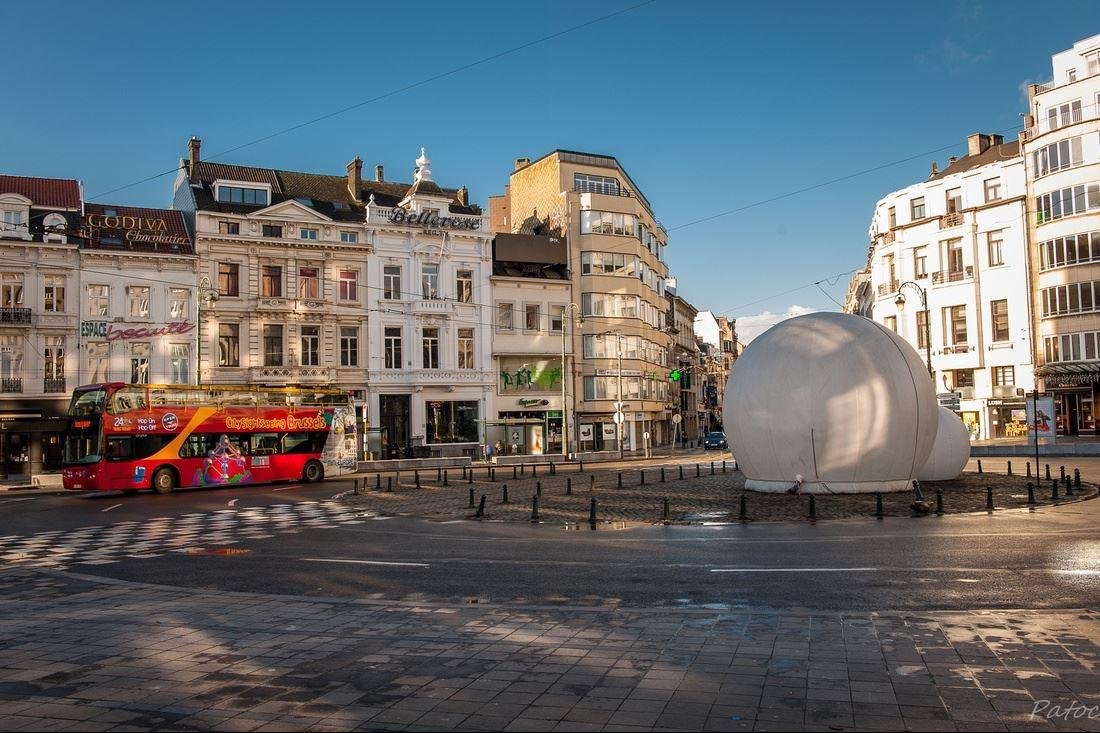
887	288
952	276
951	220
11	385
53	384
15	315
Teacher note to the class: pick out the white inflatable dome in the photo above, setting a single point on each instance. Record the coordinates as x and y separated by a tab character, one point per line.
950	452
836	399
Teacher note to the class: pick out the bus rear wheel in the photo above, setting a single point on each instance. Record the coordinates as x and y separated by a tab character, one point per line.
164	480
313	472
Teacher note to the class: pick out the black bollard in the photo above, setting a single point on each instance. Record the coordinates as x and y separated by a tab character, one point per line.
553	469
1048	472
470	476
580	466
1030	493
591	482
979	465
813	507
355	486
480	507
939	501
445	481
463	472
712	468
743	510
665	514
377	482
503	494
493	474
641	477
620	479
534	509
1076	479
697	470
878	505
471	498
1028	469
515	472
569	486
1068	486
1061	473
662	474
1054	491
723	465
417	475
592	511
989	498
1010	468
438	475
522	469
681	472
538	488
389	483
535	471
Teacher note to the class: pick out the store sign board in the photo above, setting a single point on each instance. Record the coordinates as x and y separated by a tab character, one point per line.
133	228
1071	380
430	220
108	331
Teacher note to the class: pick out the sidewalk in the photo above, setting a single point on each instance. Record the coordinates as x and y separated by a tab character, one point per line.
25	482
1064	445
82	653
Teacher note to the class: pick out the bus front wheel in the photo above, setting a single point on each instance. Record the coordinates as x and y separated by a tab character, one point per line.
313	472
164	481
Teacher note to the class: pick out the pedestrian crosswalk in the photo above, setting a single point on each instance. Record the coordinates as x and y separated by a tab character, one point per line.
111	543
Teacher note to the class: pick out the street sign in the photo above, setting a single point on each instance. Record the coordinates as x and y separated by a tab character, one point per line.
618	417
676	419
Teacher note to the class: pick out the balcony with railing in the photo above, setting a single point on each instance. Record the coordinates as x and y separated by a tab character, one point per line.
885	289
292	374
956	349
15	315
1050	124
889	237
953	219
53	385
952	276
11	385
431	307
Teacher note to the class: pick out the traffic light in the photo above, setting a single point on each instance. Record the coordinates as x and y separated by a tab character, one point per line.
675	375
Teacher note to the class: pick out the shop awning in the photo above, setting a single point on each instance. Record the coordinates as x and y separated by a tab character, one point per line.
1073	367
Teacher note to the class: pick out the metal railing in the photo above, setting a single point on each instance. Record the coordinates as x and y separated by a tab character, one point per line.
15	315
53	384
887	288
952	276
953	219
11	385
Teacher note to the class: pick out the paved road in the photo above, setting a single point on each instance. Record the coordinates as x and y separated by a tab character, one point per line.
326	618
300	540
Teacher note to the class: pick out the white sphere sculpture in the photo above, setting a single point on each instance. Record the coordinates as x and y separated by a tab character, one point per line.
950	452
837	398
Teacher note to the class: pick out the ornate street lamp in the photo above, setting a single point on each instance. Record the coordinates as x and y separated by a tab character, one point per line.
900	303
208	295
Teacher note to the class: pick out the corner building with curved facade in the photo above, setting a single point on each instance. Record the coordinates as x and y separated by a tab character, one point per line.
617	268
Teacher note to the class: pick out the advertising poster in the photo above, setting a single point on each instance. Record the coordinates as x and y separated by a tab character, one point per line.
609	430
586	431
1040	417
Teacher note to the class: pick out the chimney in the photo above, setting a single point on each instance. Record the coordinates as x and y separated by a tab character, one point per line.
951	160
935	169
379	173
522	163
355	176
978	143
193	146
464	196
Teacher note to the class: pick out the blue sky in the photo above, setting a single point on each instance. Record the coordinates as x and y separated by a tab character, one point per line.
709	105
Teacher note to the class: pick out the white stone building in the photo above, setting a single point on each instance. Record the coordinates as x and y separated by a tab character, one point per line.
430	371
1062	150
532	325
960	237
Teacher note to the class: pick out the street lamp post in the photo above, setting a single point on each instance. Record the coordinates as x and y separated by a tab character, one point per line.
565	371
900	303
208	295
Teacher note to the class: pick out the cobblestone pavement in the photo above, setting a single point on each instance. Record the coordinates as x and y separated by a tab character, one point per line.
81	653
702	498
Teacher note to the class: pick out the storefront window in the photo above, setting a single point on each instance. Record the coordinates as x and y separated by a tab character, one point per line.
451	421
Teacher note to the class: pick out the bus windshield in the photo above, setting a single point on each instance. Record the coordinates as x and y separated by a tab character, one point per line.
81	448
87	403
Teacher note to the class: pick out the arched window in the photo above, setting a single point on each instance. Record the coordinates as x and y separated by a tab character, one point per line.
53	226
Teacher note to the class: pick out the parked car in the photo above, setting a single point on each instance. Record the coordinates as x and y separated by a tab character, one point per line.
716	441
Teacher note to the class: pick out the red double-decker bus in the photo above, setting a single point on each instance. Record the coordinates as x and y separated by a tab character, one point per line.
129	437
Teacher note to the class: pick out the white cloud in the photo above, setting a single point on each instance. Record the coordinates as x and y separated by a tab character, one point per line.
749	327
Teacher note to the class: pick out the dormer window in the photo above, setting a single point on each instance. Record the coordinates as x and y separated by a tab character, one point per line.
241	194
13	222
53	225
